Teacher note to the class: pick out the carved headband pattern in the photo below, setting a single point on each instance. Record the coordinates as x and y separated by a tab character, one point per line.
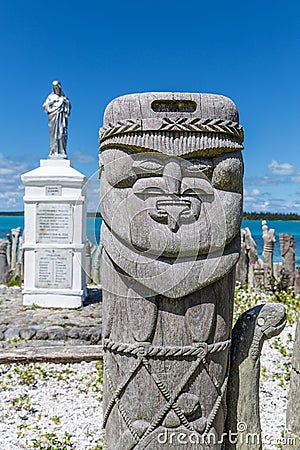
167	124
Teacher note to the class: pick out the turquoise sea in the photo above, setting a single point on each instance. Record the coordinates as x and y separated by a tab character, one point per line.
9	222
280	226
93	231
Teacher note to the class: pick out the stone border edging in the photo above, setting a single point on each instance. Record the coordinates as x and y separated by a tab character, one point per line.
55	354
92	334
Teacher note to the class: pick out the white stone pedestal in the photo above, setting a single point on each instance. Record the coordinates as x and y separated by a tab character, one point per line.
55	235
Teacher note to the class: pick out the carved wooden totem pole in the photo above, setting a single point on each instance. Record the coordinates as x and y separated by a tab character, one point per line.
287	249
171	200
269	242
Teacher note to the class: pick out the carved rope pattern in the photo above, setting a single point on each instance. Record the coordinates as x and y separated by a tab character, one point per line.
197	350
167	124
119	390
163	389
216	406
169	405
145	350
121	408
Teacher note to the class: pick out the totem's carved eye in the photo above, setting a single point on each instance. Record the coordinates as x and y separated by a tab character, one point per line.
154	166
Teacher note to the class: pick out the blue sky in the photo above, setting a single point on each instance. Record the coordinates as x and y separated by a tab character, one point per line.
248	51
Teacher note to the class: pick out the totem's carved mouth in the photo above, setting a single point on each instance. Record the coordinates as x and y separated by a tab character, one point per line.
174	212
161	204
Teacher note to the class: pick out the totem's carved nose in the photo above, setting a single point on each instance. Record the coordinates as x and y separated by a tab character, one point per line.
174	212
173	177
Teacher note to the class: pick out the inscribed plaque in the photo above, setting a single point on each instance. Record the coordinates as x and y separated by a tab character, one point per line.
53	268
53	190
54	223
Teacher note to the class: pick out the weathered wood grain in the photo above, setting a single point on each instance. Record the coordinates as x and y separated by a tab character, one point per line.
171	203
56	354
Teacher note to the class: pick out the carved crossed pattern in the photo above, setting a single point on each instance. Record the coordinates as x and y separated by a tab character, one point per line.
206	125
167	124
144	351
122	126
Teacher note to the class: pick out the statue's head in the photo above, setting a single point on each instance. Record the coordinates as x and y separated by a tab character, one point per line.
57	88
171	172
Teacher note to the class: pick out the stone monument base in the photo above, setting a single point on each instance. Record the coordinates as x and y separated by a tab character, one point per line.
57	299
55	235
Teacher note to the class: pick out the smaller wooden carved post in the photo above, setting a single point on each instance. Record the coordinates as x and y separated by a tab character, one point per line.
15	232
248	259
96	266
4	267
288	260
8	249
277	272
252	256
88	261
21	255
269	241
297	280
293	408
258	275
243	263
249	333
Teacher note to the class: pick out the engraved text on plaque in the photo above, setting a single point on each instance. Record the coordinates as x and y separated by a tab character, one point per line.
54	223
53	268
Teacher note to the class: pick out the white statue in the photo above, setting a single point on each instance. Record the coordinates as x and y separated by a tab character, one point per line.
58	108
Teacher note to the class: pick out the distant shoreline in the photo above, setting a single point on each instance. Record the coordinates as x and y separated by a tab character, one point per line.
21	213
270	216
11	213
246	215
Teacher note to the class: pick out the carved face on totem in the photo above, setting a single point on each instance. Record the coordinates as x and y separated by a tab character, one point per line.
171	180
169	192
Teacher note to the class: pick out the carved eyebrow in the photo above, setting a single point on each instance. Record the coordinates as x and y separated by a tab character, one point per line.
196	167
196	164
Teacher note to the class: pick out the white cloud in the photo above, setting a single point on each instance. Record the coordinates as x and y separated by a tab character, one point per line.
280	169
11	188
93	192
260	181
263	206
249	199
4	171
292	206
255	192
82	157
